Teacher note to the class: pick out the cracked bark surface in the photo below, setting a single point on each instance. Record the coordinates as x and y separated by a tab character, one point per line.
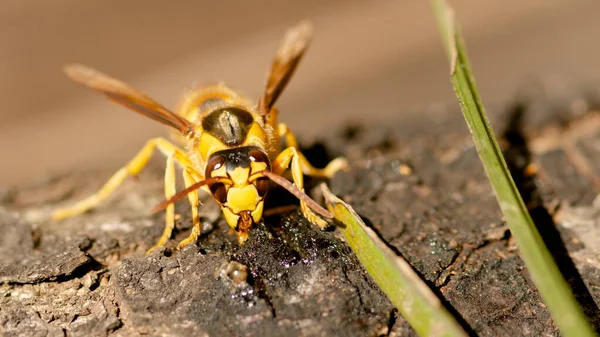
418	183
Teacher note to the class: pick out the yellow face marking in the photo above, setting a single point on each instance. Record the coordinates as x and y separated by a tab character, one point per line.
257	213
258	166
239	176
232	219
220	172
242	198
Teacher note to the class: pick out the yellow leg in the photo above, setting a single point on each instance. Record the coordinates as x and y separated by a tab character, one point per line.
131	169
290	141
170	211
281	163
188	177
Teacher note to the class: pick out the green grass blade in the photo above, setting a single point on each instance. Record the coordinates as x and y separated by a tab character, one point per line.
543	270
410	295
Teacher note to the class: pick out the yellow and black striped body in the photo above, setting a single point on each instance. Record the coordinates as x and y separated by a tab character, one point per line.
234	142
224	143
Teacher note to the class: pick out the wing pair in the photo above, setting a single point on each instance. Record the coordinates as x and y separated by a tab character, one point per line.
288	55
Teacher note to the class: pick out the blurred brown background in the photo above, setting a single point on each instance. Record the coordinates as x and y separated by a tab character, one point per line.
369	60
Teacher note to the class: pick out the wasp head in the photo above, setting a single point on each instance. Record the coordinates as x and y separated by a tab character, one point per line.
241	189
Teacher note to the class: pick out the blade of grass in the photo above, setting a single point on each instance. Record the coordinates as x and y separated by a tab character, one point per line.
410	295
543	270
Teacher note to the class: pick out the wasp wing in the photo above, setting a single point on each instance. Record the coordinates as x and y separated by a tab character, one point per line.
126	95
290	51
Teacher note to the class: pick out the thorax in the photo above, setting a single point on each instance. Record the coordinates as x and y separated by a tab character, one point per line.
224	120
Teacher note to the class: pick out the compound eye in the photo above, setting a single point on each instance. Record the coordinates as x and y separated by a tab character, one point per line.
219	191
262	186
259	156
214	163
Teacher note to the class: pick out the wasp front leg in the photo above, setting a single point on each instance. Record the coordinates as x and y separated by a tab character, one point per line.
170	210
335	165
290	157
190	177
132	168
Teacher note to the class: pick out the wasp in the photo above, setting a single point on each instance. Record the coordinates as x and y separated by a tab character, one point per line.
224	143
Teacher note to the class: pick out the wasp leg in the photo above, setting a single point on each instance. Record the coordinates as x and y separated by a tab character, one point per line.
281	163
131	169
170	211
188	177
335	165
